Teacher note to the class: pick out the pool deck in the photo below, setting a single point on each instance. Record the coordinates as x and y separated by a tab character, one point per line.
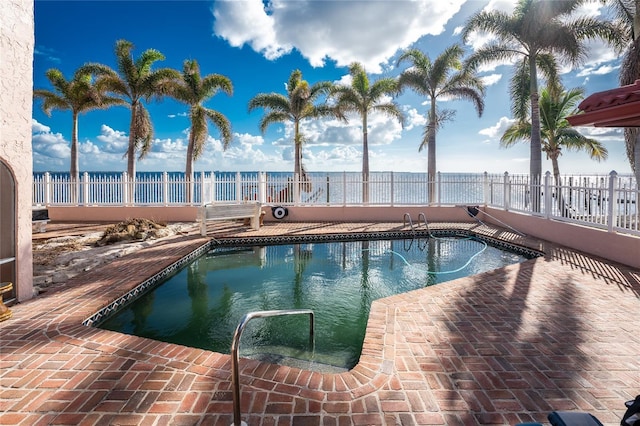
560	332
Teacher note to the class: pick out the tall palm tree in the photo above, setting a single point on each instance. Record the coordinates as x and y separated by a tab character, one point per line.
556	132
445	77
77	95
194	90
297	105
135	81
537	30
363	97
628	12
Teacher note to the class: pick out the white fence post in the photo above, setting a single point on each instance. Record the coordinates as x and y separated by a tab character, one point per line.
485	189
85	188
238	187
296	189
47	189
202	190
548	203
213	187
262	187
165	188
506	195
391	183
125	189
439	182
344	188
612	208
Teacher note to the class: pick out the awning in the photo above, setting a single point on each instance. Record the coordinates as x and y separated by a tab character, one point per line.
612	108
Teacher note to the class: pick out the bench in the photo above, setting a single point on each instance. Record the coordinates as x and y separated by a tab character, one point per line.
221	211
39	218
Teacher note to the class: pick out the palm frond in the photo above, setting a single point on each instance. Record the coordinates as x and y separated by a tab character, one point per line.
520	131
273	117
270	101
223	125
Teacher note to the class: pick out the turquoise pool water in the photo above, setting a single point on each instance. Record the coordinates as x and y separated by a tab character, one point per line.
201	304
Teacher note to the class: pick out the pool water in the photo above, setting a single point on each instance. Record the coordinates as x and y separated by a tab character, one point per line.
202	304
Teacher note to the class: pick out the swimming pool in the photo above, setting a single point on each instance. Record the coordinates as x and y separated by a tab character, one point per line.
201	304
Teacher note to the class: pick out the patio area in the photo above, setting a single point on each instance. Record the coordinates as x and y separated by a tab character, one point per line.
560	332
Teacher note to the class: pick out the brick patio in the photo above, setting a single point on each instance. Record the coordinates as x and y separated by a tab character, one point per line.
561	332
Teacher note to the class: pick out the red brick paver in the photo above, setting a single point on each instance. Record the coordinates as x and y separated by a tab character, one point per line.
556	333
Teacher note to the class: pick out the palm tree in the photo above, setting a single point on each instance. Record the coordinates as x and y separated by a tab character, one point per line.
628	12
194	90
445	77
296	106
537	31
134	81
77	95
363	97
556	132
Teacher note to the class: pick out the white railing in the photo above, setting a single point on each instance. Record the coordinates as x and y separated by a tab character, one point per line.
608	202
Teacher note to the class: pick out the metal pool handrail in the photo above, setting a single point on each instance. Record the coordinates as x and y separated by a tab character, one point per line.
235	343
404	219
424	219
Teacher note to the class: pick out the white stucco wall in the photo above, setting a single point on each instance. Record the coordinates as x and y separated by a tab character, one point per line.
16	87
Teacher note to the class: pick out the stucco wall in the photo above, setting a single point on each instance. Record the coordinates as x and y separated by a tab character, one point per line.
16	87
613	246
120	213
296	214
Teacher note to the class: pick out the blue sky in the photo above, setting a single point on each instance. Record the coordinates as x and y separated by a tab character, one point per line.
257	49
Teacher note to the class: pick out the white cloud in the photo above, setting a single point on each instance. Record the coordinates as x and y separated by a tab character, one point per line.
491	79
602	133
44	143
113	141
248	139
342	31
38	127
496	132
601	70
51	145
414	119
88	148
247	22
169	145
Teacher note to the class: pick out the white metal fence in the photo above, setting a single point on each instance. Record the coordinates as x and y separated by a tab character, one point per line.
608	202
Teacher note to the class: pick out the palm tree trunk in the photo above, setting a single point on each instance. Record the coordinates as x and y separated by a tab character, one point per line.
131	155
297	166
365	161
535	161
73	172
431	148
188	170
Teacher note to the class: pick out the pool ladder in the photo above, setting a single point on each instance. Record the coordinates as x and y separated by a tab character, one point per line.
421	215
235	343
